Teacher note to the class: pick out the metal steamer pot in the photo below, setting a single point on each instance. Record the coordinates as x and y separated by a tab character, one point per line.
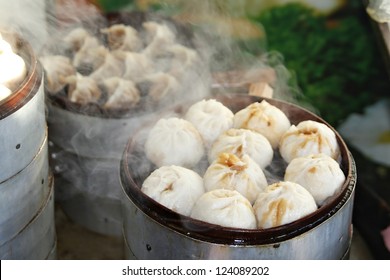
25	181
37	240
22	195
22	115
86	145
86	160
152	231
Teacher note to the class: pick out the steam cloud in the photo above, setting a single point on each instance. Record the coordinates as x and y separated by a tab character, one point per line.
43	24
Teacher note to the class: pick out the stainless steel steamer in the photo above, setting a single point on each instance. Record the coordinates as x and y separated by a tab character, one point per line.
86	148
86	161
22	116
25	183
22	195
152	231
37	240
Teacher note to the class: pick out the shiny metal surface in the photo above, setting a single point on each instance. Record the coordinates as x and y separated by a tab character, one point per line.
85	154
22	134
22	195
129	255
88	136
35	241
22	114
148	239
53	253
98	213
88	190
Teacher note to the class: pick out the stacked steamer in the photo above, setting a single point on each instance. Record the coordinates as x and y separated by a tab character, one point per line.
238	177
103	83
27	228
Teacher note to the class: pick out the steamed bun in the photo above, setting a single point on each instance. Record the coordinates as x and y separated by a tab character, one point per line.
174	141
319	174
4	92
57	69
308	137
241	142
175	187
231	172
211	118
282	203
12	69
225	208
265	119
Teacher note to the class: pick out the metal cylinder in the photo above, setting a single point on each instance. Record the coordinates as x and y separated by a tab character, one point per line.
27	218
148	239
90	136
152	231
22	195
85	152
53	252
88	191
37	239
22	116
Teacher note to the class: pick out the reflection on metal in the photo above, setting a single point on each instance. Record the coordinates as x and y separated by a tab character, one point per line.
26	188
35	241
22	195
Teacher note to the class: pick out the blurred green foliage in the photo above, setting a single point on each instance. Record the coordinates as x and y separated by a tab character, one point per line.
336	61
114	5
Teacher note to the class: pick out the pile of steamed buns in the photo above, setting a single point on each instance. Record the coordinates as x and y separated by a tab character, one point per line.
234	190
119	66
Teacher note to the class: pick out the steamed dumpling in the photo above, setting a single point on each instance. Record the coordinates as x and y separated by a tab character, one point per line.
175	187
137	66
183	59
91	55
231	172
4	45
282	203
12	68
57	69
265	119
75	39
308	137
4	92
226	208
174	141
159	37
163	87
153	30
121	93
83	90
113	66
241	142
211	118
123	37
319	174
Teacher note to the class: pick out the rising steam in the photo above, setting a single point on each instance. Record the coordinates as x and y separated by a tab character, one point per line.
91	147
